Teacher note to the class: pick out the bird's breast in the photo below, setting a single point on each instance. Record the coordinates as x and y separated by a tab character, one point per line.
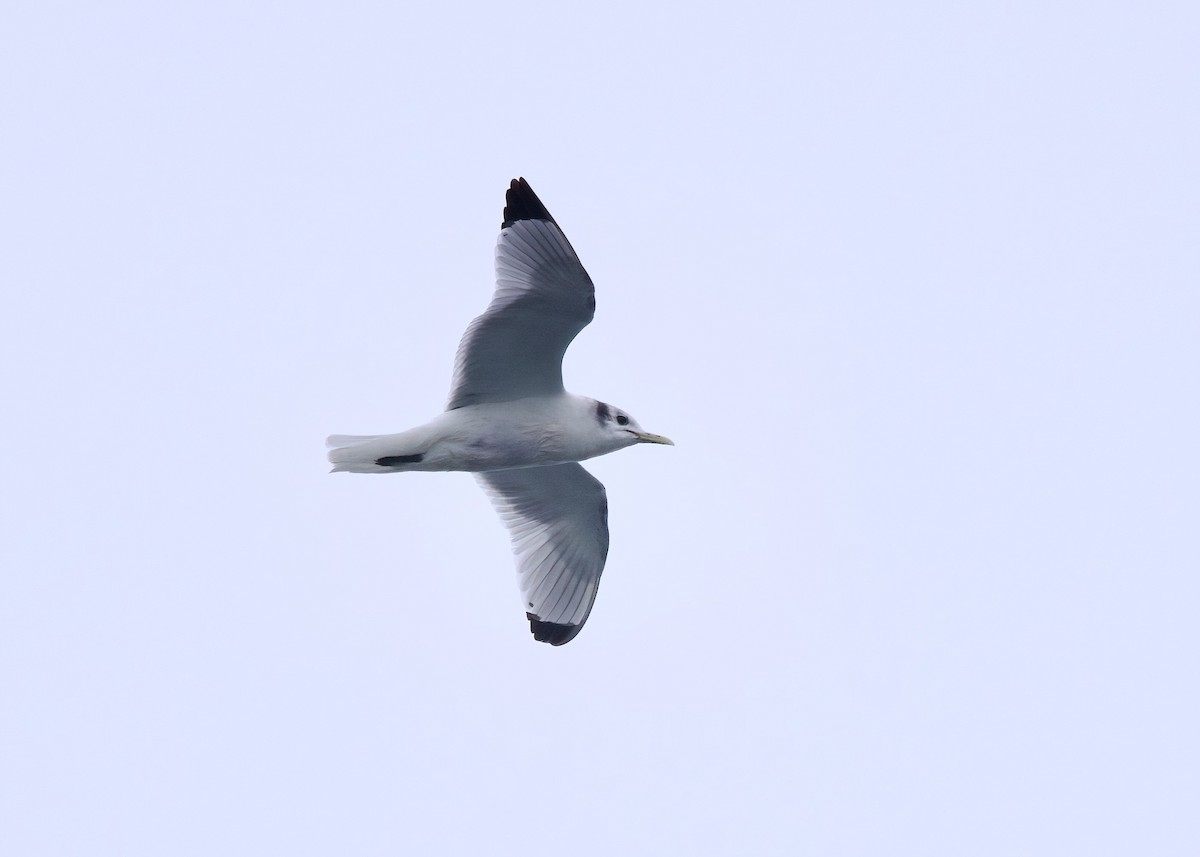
504	436
499	446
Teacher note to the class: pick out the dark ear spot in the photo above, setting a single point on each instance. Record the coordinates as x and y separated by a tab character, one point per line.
603	412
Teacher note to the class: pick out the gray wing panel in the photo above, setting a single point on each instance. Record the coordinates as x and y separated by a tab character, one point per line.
558	519
543	298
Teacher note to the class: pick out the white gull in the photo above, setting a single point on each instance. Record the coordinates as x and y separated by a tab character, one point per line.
510	422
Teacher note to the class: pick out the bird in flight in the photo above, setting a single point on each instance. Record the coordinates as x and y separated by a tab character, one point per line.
511	423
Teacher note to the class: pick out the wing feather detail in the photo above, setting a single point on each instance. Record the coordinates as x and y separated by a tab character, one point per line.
558	519
543	298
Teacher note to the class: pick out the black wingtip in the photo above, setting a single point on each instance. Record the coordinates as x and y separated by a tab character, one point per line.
549	632
521	203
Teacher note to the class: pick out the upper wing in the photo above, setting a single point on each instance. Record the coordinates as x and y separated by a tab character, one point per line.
543	298
558	518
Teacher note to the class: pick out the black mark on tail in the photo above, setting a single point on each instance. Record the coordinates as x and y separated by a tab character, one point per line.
393	460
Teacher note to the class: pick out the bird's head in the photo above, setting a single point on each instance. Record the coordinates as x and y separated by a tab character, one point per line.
623	430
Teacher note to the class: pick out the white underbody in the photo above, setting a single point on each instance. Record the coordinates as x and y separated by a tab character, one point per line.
530	432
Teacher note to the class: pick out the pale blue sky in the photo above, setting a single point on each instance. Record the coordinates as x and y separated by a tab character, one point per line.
916	291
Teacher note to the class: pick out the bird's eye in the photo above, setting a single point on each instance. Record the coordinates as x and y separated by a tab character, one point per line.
622	420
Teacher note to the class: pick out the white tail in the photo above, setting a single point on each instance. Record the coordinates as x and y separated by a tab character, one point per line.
357	453
364	453
337	441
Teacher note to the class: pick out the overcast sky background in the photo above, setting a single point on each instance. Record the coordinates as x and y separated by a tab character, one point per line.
916	291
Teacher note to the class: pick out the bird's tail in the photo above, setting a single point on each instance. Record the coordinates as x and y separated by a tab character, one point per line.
373	453
349	452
